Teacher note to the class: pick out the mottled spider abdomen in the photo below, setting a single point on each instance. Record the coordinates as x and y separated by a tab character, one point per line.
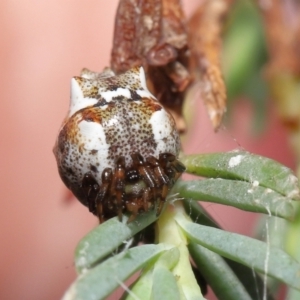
117	148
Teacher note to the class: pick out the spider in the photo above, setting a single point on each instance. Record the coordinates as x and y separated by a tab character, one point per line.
117	149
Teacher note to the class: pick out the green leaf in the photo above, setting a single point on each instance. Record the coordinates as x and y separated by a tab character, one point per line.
293	247
239	194
141	288
252	282
253	253
292	237
242	165
198	214
100	281
218	274
164	284
105	238
169	259
242	57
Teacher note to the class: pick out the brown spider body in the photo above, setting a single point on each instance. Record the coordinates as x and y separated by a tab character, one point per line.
117	149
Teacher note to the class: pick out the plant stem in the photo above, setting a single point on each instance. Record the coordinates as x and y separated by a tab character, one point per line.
169	232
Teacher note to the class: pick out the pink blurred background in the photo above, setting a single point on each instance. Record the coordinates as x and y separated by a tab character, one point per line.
44	44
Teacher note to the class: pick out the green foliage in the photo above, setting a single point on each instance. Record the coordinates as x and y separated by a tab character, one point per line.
239	194
218	273
242	165
244	56
98	244
229	262
253	253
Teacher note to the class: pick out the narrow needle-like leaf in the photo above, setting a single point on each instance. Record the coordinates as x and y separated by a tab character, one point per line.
100	281
252	282
218	274
105	238
198	213
156	280
242	165
239	194
164	284
253	253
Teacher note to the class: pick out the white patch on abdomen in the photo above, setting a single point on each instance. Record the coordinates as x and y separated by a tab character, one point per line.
108	95
163	132
93	136
78	101
93	139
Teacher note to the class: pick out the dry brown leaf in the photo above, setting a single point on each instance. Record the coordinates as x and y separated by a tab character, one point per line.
123	55
173	24
153	34
205	28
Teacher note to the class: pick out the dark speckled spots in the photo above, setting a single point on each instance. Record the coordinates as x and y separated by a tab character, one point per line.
122	137
93	152
93	168
70	171
121	123
134	95
101	102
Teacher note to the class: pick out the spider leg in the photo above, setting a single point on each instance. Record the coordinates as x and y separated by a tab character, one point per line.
145	173
178	167
160	175
138	162
106	181
166	158
90	188
118	184
132	178
163	182
143	185
133	208
152	192
146	198
139	203
173	167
